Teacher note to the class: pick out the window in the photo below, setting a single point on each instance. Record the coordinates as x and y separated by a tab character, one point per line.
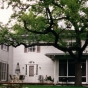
4	47
3	71
63	68
67	69
72	43
32	49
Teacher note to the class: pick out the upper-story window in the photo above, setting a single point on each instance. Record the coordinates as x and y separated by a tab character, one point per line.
4	47
72	43
32	49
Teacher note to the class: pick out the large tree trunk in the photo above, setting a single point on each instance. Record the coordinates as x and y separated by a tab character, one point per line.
78	73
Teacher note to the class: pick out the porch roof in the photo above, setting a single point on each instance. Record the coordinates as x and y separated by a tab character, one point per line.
63	56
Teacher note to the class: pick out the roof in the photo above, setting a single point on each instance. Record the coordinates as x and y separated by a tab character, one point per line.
63	56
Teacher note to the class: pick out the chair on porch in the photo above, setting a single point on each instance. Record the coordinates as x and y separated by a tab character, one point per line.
41	78
21	78
11	78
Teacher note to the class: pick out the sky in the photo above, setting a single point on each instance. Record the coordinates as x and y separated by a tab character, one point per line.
5	15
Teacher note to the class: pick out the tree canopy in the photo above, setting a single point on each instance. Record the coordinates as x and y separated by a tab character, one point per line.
34	18
47	22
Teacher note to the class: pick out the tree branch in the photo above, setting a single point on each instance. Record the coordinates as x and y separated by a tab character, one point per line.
36	32
58	5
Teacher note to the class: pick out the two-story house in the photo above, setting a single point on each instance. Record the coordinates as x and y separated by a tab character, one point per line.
39	60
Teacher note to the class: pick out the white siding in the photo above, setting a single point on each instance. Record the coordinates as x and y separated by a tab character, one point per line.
10	59
4	55
45	64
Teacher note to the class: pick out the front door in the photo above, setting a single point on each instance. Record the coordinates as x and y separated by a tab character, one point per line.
31	73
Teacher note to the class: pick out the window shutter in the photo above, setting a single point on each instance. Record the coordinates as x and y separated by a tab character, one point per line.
38	48
26	70
36	69
25	49
7	48
7	71
1	46
0	71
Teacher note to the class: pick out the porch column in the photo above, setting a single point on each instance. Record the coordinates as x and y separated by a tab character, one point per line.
56	71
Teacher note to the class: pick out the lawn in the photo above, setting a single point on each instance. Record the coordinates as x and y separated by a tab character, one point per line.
46	86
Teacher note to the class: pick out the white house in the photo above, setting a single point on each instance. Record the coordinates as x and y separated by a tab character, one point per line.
39	60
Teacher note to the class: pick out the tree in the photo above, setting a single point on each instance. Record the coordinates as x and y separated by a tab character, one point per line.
37	23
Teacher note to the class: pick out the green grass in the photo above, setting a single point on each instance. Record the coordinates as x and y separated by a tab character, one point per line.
48	86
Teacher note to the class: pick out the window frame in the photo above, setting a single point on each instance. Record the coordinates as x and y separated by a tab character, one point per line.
4	47
3	71
32	49
69	76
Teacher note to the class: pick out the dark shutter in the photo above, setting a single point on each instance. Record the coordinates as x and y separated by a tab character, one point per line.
7	48
0	71
7	71
38	48
26	70
25	49
36	69
1	46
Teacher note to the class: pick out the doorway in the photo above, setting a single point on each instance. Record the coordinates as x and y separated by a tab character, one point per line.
31	73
